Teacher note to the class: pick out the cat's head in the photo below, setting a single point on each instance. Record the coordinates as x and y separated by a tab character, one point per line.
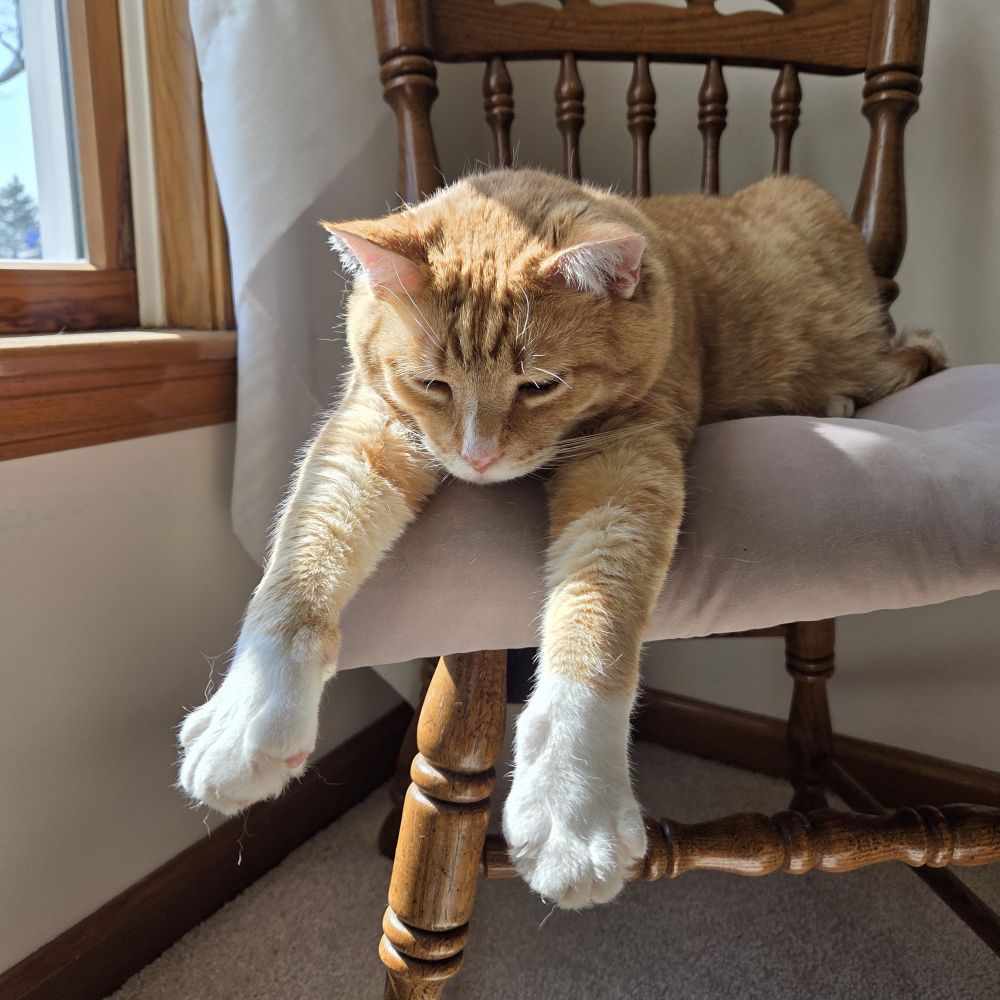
502	314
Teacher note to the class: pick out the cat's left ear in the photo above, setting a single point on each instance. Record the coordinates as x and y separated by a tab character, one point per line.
383	267
608	265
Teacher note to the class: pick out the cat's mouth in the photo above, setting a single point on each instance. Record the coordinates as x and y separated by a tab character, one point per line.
499	472
503	470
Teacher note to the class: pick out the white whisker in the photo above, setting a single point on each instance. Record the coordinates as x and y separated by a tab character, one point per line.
587	443
553	375
422	320
523	331
672	412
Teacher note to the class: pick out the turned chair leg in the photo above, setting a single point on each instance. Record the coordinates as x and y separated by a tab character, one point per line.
389	832
445	814
809	659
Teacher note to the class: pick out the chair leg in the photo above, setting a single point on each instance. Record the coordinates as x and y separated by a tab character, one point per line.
809	659
445	814
389	832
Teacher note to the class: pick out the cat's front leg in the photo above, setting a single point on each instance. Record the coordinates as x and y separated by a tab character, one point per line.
572	821
363	479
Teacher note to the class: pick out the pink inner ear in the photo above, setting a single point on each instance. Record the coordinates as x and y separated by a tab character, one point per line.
606	266
383	269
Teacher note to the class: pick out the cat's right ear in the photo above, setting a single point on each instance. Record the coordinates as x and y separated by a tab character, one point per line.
607	264
384	270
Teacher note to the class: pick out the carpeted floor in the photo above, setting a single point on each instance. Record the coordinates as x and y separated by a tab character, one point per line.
309	929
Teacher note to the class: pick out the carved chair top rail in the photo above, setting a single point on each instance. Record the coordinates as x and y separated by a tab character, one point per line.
882	38
823	36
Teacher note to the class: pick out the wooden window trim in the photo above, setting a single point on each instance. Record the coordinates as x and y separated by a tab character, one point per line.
50	296
75	389
193	242
72	389
99	96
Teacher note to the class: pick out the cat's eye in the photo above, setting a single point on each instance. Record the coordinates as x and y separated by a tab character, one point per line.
436	387
535	390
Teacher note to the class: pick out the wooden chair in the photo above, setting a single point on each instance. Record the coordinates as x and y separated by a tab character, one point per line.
443	846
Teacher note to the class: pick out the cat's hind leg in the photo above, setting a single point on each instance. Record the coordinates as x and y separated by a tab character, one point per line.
913	355
840	406
363	479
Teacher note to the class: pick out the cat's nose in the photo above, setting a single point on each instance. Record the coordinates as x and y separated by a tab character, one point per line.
481	455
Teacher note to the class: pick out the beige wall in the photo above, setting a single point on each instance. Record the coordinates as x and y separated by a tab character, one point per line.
923	678
119	575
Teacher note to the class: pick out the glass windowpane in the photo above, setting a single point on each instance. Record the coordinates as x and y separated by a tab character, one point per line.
40	215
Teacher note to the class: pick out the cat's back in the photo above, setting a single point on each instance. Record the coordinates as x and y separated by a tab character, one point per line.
783	208
782	294
779	237
774	208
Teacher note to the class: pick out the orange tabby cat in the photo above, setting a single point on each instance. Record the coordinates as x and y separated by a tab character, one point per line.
517	321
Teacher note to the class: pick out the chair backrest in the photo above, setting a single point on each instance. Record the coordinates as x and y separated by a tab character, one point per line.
883	39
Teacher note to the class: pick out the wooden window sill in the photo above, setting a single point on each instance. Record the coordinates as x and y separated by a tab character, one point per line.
69	390
44	295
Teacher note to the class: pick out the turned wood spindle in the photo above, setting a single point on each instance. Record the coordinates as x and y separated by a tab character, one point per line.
826	840
443	829
641	102
786	99
809	649
409	87
955	893
712	98
890	97
569	114
753	844
498	103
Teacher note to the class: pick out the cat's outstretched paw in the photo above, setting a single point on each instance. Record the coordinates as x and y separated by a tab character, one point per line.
573	827
255	733
576	860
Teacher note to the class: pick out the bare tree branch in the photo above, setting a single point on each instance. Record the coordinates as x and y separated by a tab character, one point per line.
12	39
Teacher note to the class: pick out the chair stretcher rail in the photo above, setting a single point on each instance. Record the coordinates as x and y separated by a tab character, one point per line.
827	840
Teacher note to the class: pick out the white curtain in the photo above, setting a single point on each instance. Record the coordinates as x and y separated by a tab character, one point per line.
298	132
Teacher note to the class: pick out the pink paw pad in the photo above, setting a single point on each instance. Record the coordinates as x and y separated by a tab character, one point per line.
298	759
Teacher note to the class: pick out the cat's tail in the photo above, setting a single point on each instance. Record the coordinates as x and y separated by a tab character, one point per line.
913	355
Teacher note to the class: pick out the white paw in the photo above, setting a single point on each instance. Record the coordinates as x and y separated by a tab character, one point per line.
573	826
255	732
840	406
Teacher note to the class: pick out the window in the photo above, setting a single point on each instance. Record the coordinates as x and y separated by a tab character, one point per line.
67	263
39	181
65	218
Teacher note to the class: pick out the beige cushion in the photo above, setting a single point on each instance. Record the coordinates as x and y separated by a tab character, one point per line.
788	519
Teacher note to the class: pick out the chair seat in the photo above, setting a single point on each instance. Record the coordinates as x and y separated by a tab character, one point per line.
788	519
